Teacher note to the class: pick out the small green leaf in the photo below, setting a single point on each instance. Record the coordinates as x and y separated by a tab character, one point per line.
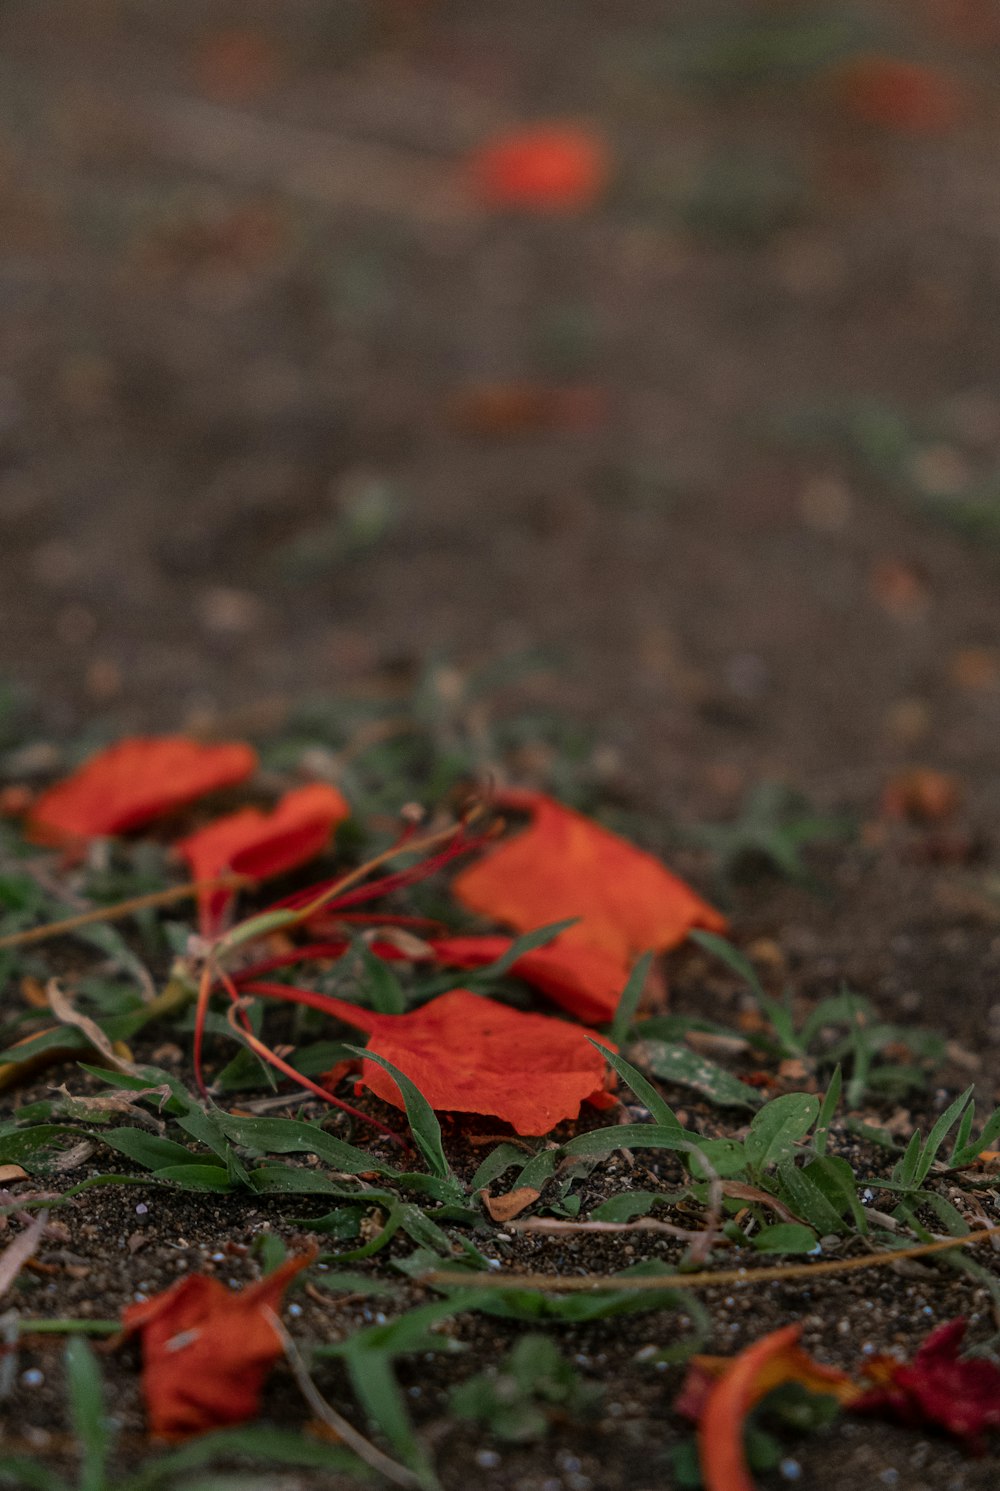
778	1127
832	1175
86	1400
686	1068
939	1132
807	1200
195	1177
290	1180
785	1237
495	1164
659	1109
36	1143
420	1115
629	1002
628	1206
386	993
263	1136
146	1149
831	1101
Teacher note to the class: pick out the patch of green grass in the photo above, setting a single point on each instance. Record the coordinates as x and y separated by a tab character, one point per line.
917	460
516	1399
772	829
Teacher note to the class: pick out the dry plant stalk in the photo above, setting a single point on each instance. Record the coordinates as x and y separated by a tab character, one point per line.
728	1277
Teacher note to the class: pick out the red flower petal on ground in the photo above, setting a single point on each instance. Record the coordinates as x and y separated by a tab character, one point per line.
206	1349
958	1394
719	1393
259	844
585	981
134	781
892	94
549	168
471	1055
564	865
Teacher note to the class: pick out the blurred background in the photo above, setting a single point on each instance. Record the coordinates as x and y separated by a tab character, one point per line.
654	341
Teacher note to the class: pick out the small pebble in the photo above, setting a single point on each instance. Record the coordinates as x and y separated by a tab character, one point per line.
33	1377
295	1310
790	1469
141	1209
487	1459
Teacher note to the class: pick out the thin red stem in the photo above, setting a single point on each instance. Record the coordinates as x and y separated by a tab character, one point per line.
367	1020
272	1058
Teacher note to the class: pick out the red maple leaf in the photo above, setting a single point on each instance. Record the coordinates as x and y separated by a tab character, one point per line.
206	1349
958	1394
564	865
468	1054
259	844
130	783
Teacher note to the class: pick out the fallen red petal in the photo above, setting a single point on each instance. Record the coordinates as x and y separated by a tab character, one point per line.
958	1394
468	1054
563	865
585	981
206	1349
259	844
550	168
720	1392
130	783
891	93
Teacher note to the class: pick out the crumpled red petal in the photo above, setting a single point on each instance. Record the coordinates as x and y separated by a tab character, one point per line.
958	1394
206	1349
251	842
131	783
564	865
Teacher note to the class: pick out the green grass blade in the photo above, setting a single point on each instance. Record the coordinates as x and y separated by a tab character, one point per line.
419	1114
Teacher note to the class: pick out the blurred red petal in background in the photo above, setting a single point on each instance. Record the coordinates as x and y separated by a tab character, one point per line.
892	94
564	865
548	168
130	783
259	844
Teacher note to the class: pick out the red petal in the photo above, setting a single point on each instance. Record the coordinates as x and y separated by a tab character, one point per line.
262	844
586	981
134	781
564	865
206	1350
958	1394
560	168
471	1055
719	1393
890	93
